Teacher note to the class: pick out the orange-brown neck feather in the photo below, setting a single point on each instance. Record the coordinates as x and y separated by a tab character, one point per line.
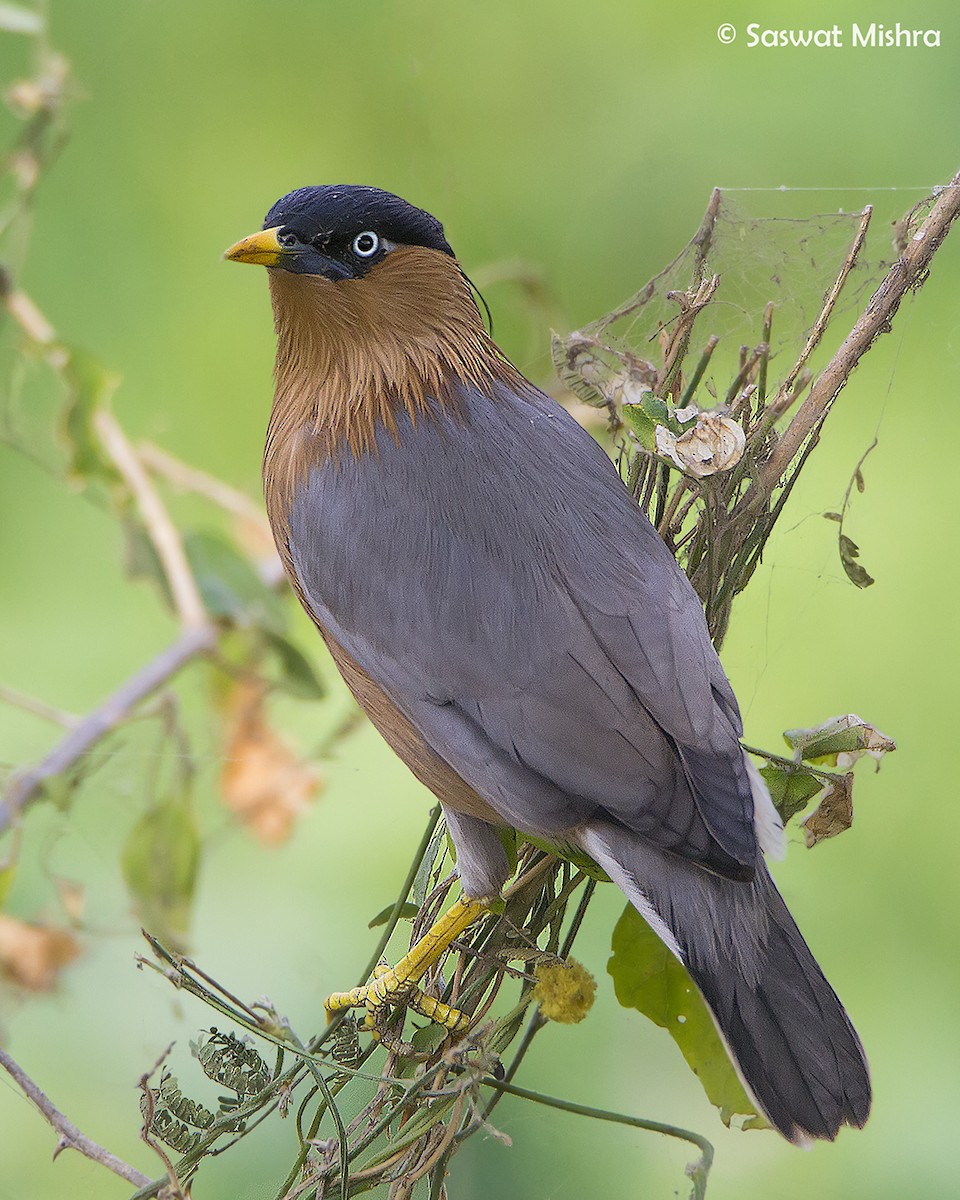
352	355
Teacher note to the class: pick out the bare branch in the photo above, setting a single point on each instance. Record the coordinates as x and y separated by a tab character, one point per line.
70	1137
908	272
160	528
25	785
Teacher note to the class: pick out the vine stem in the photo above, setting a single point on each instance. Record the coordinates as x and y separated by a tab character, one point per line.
697	1171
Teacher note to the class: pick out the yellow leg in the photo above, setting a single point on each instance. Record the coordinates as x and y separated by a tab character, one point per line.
399	982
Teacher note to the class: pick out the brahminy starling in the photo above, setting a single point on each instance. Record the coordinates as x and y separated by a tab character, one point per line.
517	631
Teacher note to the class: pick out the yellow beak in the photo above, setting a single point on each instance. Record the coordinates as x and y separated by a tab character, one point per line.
260	248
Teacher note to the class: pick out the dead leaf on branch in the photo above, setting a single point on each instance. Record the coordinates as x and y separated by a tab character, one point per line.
834	813
264	781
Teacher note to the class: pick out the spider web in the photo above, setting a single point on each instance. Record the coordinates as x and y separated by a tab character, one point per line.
781	259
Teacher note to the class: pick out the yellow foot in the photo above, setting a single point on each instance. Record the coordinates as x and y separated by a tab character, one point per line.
393	985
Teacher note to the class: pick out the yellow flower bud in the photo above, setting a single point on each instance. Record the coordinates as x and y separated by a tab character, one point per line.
564	991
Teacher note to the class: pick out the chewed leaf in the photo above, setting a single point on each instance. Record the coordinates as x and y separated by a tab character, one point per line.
647	977
715	443
598	377
834	813
839	742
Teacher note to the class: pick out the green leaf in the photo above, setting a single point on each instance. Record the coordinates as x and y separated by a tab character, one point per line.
140	558
230	587
14	19
643	419
856	572
90	385
839	742
429	1038
160	860
424	871
791	788
647	977
407	912
297	676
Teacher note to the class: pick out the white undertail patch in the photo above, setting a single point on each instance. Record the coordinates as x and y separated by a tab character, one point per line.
766	820
592	841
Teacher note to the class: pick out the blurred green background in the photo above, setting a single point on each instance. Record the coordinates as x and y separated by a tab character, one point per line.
584	142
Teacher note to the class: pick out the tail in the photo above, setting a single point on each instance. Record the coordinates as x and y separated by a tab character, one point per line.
788	1034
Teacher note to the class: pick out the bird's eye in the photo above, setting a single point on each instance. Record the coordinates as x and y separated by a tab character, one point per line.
366	244
286	237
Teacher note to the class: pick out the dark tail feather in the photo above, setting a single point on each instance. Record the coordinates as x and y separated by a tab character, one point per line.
793	1043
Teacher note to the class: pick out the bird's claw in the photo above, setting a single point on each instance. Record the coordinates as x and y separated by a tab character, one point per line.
387	990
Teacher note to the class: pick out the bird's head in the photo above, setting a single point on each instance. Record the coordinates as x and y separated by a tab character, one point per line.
373	311
338	232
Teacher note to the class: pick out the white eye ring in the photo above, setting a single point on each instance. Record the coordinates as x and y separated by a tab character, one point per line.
366	244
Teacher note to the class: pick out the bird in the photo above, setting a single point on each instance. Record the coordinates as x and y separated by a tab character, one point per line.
513	625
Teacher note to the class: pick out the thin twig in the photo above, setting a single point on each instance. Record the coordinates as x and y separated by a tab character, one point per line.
39	708
25	785
160	528
192	479
829	302
70	1137
701	240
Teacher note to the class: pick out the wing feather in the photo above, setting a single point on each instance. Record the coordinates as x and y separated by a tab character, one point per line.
492	575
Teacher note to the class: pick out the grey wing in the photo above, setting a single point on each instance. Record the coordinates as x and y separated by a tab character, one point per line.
559	663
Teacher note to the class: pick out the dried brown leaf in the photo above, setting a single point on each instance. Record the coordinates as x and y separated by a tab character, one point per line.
834	813
264	781
33	956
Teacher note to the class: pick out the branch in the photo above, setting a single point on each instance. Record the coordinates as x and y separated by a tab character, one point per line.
70	1136
907	273
162	531
160	528
829	304
697	1171
25	785
239	505
192	479
38	708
